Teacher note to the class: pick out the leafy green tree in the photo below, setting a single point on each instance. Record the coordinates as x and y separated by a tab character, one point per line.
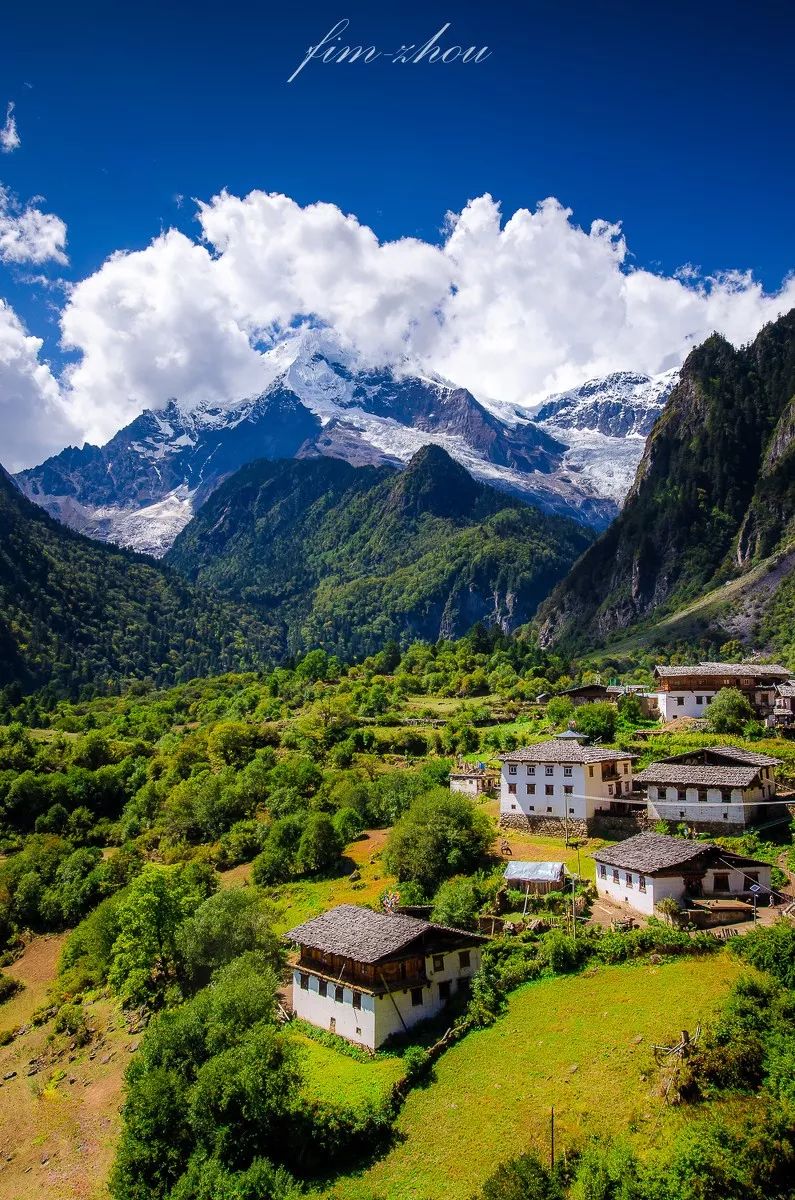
728	712
523	1178
320	846
457	903
222	928
597	720
145	955
559	710
442	834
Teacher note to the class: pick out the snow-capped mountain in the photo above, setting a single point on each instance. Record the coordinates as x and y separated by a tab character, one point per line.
143	487
604	424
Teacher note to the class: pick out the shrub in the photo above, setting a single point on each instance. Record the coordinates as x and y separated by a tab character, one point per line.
442	834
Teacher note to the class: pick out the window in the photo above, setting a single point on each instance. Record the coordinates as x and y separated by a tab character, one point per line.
641	883
571	811
610	789
568	790
463	959
680	700
304	983
752	877
626	768
531	770
628	878
681	795
699	699
702	795
549	790
590	772
438	962
512	768
616	877
322	987
549	808
332	1025
339	994
511	789
567	772
549	770
416	997
357	999
531	789
725	816
444	990
513	806
602	871
681	812
531	808
720	882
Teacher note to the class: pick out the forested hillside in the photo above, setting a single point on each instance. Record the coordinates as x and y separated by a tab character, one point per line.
76	615
714	497
349	558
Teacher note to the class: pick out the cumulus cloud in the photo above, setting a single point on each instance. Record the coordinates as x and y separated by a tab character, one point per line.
28	235
33	419
512	309
9	137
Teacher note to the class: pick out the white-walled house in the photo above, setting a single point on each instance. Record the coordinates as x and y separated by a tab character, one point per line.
370	975
649	867
720	787
563	781
685	691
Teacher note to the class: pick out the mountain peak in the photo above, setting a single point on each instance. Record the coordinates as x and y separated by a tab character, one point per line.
435	484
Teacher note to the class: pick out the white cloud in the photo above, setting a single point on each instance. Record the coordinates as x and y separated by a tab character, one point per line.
28	235
511	310
9	137
33	419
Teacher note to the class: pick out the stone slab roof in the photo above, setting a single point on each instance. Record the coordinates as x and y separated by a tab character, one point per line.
564	751
695	775
786	689
740	755
364	935
755	670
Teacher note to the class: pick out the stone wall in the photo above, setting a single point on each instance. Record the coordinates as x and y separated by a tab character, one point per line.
546	826
611	826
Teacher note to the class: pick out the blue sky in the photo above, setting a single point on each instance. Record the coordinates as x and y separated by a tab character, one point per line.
675	119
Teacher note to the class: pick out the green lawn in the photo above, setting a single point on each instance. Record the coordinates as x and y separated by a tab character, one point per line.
304	899
340	1080
581	1043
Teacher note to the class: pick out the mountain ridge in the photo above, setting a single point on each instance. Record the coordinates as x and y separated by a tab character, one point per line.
143	486
713	495
351	557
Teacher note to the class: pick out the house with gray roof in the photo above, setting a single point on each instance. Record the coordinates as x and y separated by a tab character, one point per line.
720	789
370	975
685	691
650	867
559	786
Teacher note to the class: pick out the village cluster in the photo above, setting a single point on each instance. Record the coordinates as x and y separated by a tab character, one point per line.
370	975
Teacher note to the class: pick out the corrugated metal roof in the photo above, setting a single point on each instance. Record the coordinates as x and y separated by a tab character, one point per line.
534	872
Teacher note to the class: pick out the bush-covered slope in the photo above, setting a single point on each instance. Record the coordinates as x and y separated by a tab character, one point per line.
713	496
78	615
348	558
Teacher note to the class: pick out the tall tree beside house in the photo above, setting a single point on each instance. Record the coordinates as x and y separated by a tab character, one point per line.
714	496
